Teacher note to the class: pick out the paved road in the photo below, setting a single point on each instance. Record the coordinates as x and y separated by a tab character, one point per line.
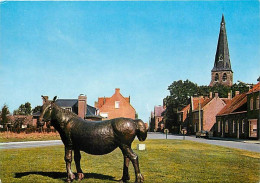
249	145
28	144
245	145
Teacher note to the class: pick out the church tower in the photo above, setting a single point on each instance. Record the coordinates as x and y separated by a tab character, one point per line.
222	72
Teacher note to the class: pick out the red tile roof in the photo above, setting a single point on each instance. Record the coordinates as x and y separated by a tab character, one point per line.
158	110
255	88
234	104
203	102
196	101
185	108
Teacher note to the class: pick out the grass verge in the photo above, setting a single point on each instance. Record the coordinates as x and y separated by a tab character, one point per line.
165	161
21	137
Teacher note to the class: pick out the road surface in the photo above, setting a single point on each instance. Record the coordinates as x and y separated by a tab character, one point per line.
244	145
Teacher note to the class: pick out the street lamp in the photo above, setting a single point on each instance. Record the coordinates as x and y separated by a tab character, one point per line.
199	116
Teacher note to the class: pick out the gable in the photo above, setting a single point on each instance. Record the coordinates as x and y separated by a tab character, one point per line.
116	97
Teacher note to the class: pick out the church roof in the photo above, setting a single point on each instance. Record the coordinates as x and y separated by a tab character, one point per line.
222	58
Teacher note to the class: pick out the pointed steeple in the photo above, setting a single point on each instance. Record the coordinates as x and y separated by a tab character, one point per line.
222	58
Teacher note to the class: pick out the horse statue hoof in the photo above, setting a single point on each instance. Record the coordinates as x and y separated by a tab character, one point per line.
80	176
70	178
140	178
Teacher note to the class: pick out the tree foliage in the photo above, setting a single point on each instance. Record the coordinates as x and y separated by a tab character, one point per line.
36	109
4	113
24	109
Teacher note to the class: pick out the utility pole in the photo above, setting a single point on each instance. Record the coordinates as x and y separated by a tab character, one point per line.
199	116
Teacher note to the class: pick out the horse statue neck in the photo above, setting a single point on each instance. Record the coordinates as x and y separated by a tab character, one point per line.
60	117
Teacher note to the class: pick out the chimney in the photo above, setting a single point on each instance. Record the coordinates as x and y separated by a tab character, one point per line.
210	95
46	98
117	90
82	105
216	95
237	93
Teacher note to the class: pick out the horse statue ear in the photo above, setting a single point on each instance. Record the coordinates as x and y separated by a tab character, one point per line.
44	98
54	99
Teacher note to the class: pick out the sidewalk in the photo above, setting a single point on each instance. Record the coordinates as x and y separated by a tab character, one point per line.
237	140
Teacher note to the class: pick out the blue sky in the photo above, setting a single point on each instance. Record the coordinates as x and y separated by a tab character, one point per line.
91	48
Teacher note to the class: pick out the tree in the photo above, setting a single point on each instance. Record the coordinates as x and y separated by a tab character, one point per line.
4	113
37	109
180	93
24	109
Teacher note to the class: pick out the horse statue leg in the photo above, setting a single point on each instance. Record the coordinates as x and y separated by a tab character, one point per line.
128	152
126	176
77	157
68	160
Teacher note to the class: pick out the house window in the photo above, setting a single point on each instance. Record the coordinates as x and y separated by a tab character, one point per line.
68	108
243	124
233	126
226	127
224	78
219	126
253	128
117	104
257	103
104	114
216	77
251	103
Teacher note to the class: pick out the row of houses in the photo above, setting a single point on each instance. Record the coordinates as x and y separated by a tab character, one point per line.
105	108
236	117
232	117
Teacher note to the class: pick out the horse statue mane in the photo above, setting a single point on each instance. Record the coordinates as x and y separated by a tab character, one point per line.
95	138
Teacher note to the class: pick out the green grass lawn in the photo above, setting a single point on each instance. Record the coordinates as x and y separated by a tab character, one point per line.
162	161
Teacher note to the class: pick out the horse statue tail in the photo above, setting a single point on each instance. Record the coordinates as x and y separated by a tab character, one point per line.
141	130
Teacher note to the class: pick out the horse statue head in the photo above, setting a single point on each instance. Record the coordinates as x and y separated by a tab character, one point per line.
47	109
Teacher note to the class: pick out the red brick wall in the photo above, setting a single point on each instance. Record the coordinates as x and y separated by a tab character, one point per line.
210	111
125	108
82	106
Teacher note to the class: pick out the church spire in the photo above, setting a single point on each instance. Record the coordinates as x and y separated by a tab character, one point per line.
222	72
222	58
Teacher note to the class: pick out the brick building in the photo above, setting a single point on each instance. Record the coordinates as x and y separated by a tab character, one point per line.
240	117
232	119
156	119
204	116
200	113
78	106
185	115
222	72
115	106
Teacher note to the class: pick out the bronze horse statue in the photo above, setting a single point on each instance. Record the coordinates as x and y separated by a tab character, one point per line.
95	138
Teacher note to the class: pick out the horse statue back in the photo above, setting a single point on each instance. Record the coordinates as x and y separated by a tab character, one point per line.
95	138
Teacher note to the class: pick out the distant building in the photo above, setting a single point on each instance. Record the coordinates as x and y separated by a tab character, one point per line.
79	106
222	72
253	111
200	113
232	119
156	119
204	115
115	106
240	117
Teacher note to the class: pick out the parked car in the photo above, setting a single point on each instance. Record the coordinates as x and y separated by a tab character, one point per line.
205	134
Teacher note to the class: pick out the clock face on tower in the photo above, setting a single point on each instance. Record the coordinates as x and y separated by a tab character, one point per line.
220	57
